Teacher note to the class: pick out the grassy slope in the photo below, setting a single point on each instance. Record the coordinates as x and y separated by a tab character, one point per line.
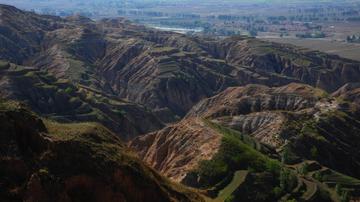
234	158
235	151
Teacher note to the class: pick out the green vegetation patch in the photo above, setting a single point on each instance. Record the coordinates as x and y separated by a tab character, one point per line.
233	155
335	177
4	65
6	105
302	62
76	70
79	131
164	50
262	48
90	142
168	67
90	148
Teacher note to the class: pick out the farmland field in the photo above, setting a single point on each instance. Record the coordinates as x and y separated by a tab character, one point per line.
346	50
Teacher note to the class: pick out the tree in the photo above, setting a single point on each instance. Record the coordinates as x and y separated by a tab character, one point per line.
272	166
277	192
69	90
345	196
314	152
338	189
318	176
304	168
231	198
287	180
285	156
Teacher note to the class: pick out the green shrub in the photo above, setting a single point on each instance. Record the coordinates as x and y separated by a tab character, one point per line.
285	156
309	128
304	169
30	74
318	176
272	166
277	192
345	196
69	90
213	169
120	112
338	189
231	198
44	171
314	152
4	65
287	180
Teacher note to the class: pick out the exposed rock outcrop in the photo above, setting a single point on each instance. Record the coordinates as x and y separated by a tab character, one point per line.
176	150
349	92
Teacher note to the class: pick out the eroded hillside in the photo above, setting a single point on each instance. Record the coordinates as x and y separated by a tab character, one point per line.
164	71
266	131
64	101
238	118
43	160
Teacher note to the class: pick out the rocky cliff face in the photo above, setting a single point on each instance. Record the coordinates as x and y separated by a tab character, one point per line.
46	161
